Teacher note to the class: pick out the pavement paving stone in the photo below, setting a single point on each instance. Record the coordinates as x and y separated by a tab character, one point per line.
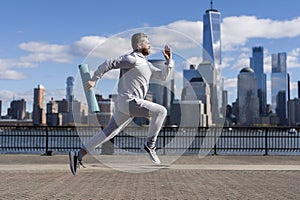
48	177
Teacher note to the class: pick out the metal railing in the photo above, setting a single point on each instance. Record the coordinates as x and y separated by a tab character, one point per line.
171	140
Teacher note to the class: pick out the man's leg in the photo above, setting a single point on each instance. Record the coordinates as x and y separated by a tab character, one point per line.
116	124
158	113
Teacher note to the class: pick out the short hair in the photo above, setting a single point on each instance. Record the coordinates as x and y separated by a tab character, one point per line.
136	39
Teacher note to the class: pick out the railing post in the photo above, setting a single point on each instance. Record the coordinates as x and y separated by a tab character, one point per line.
266	142
164	140
47	142
215	141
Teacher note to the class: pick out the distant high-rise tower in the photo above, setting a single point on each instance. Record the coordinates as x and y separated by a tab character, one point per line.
198	89
212	54
69	89
248	101
212	36
257	64
17	109
279	86
38	113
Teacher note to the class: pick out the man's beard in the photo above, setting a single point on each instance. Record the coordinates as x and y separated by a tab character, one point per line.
145	51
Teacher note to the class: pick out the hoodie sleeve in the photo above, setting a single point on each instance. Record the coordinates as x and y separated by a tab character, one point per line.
121	62
163	73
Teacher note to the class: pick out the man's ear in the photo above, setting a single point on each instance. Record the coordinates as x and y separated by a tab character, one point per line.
139	46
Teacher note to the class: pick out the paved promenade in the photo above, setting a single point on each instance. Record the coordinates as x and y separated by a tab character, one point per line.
135	177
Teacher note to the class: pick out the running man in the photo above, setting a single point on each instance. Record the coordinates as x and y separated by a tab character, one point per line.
135	74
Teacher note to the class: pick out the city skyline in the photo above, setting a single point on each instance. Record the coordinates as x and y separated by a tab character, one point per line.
33	51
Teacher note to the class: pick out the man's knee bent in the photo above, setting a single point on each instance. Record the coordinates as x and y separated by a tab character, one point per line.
161	112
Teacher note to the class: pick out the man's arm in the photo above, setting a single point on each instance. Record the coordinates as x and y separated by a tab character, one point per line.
126	61
169	64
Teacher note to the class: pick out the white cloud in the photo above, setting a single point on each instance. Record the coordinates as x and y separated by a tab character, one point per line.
230	83
226	61
267	63
183	33
11	75
6	73
237	30
293	58
42	52
101	47
241	62
87	44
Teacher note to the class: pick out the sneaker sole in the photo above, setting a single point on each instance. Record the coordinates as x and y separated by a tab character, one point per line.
150	157
71	159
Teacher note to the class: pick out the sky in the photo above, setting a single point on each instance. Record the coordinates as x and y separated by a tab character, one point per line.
43	42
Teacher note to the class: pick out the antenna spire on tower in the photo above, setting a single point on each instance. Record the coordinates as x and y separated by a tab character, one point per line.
211	4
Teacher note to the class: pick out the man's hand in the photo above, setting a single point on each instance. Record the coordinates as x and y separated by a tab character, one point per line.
167	53
88	85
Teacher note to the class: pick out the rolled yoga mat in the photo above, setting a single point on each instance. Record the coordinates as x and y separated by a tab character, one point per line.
89	94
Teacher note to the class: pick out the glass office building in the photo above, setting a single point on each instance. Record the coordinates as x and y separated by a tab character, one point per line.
70	89
188	74
257	64
212	51
212	37
279	86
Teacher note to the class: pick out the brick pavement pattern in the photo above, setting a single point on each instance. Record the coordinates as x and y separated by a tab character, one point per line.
48	177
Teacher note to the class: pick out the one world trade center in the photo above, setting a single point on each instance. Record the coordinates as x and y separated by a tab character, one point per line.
212	36
212	57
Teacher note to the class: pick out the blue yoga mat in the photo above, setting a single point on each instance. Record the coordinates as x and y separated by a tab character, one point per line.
89	94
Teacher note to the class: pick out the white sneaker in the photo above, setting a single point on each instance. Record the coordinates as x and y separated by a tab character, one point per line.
152	153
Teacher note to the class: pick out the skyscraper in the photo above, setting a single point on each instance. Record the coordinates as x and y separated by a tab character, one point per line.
257	64
188	74
212	36
279	86
70	98
195	88
53	117
38	113
294	114
17	109
69	89
248	101
212	54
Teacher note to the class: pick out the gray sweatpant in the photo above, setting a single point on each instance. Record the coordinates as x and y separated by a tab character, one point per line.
124	113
